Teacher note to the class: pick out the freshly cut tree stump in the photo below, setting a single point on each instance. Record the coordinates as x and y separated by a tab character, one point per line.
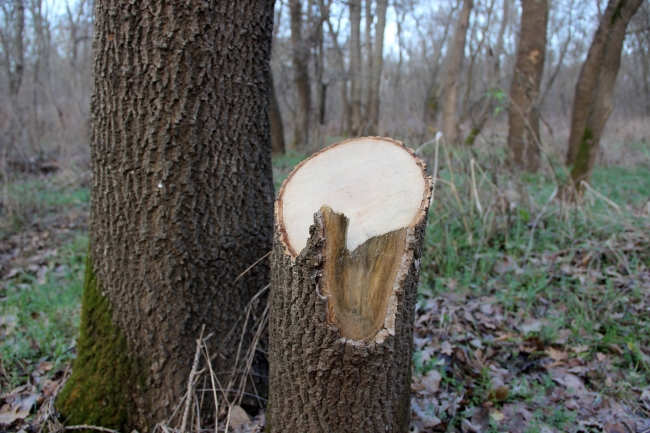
349	227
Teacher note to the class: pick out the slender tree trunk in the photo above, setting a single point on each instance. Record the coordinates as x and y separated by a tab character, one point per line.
455	63
346	116
182	200
355	64
278	146
644	60
16	65
431	100
523	113
368	64
377	63
595	88
344	290
493	79
321	90
301	54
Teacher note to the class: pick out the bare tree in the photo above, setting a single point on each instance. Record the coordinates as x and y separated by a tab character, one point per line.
301	55
355	65
377	62
493	78
523	113
346	115
595	88
278	145
455	63
11	36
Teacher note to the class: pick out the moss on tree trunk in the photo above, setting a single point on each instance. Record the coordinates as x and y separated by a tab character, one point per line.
95	393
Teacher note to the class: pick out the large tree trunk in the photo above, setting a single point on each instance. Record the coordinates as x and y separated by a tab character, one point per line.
355	64
278	146
377	62
523	113
454	65
301	54
182	200
595	89
344	289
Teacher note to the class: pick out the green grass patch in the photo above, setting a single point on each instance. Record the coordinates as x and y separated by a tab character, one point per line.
41	320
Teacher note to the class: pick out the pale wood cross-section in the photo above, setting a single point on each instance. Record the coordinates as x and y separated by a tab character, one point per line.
349	228
377	183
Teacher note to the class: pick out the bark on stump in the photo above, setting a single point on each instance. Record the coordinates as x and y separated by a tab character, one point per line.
344	289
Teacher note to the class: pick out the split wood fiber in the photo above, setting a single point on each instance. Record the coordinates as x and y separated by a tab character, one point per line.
343	294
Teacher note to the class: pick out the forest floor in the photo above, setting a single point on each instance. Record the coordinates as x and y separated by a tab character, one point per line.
533	316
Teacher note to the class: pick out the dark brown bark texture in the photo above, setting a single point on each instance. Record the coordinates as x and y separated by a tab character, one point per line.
595	89
320	381
182	192
523	113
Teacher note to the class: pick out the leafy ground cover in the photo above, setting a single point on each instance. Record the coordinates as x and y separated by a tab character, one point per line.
533	316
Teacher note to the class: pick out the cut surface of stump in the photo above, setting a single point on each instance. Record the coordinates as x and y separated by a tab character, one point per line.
349	227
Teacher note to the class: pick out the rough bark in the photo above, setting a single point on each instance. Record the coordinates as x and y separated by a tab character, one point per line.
182	199
301	54
454	65
377	63
339	364
595	88
278	146
523	112
355	64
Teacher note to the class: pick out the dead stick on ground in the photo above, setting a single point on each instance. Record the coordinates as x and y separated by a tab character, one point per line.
90	427
190	382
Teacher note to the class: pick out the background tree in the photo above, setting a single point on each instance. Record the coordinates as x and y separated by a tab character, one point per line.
277	126
455	62
377	62
595	88
493	78
182	200
11	37
524	140
301	55
355	65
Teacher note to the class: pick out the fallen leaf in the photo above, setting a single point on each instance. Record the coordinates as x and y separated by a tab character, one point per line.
238	416
18	409
556	355
496	415
579	349
530	325
431	381
615	428
645	398
500	394
467	426
44	367
447	348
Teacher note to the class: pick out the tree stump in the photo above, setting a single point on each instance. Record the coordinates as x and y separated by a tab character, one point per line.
344	285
